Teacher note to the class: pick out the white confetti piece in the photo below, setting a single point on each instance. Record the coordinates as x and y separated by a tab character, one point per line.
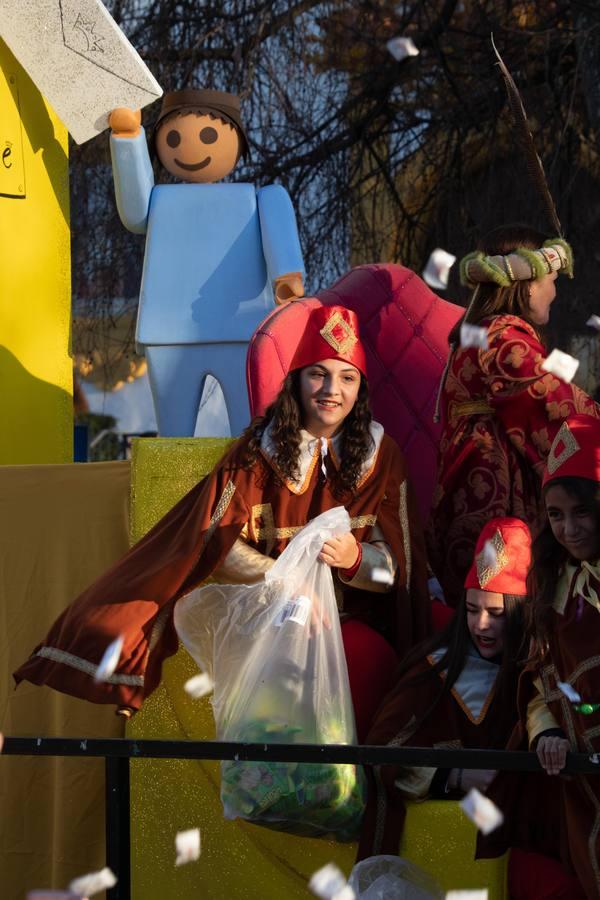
110	660
381	576
91	884
569	691
187	846
467	895
473	336
329	883
561	364
481	811
199	686
401	48
594	322
437	269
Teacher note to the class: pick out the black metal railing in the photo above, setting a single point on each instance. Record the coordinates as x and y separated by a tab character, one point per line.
117	752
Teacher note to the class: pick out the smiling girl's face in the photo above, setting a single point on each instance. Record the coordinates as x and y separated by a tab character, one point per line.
328	392
573	522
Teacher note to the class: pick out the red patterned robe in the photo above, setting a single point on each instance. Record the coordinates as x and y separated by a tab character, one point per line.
501	411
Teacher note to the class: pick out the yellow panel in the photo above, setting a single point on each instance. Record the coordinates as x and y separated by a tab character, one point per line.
439	838
36	380
240	861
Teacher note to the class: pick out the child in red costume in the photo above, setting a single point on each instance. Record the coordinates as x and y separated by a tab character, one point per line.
317	447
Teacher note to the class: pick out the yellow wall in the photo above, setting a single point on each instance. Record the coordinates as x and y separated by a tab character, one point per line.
36	383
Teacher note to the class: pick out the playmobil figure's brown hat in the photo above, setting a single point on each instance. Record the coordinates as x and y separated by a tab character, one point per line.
203	101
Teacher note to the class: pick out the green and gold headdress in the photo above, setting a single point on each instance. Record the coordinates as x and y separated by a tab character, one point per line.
522	264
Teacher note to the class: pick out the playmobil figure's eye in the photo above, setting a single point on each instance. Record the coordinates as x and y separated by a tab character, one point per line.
208	135
173	138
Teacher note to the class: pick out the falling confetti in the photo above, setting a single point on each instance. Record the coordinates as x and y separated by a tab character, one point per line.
437	269
481	811
110	660
91	884
199	686
594	322
381	576
187	846
473	336
401	48
561	364
329	883
569	691
467	895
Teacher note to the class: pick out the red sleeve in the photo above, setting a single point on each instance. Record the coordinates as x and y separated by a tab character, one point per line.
530	403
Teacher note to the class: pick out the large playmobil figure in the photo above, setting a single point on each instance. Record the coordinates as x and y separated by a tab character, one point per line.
216	254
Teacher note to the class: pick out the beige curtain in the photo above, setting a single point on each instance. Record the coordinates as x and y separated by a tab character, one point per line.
60	527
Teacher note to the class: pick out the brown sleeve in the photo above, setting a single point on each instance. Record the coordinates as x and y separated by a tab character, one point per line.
135	599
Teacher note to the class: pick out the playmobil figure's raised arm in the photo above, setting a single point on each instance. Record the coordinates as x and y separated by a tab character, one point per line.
281	245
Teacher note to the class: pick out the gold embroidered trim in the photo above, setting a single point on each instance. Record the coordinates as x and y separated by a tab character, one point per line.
270	533
220	510
403	514
348	339
84	665
485	573
571	447
470	408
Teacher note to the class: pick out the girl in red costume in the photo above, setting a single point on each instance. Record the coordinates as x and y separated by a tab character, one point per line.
565	587
316	448
459	689
500	409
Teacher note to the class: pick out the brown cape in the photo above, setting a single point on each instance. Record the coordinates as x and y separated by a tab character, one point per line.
135	598
453	724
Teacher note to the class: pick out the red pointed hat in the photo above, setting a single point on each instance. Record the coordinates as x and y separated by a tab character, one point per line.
331	332
575	450
502	558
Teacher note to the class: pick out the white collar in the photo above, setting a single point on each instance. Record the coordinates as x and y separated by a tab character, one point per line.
474	688
313	448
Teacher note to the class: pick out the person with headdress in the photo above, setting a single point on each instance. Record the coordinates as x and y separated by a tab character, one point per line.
458	689
559	690
216	255
500	408
317	447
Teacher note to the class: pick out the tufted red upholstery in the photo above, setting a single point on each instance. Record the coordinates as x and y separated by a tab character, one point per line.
404	328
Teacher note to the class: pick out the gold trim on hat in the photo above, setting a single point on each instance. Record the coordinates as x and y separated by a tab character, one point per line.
485	573
346	345
571	447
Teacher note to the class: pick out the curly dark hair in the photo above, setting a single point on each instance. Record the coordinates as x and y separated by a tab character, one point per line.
493	300
285	417
549	558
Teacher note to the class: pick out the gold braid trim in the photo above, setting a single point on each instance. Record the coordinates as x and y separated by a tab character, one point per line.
403	513
84	665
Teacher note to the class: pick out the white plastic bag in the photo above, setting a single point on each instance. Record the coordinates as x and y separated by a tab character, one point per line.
392	878
280	678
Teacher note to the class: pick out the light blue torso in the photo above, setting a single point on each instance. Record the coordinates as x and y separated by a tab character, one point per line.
212	251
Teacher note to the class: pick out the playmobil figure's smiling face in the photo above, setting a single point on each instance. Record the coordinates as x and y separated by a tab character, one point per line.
196	147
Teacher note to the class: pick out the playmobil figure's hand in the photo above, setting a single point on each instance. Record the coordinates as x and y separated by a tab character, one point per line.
288	287
340	552
124	122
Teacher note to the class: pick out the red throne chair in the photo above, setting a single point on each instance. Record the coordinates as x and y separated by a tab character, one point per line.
404	327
